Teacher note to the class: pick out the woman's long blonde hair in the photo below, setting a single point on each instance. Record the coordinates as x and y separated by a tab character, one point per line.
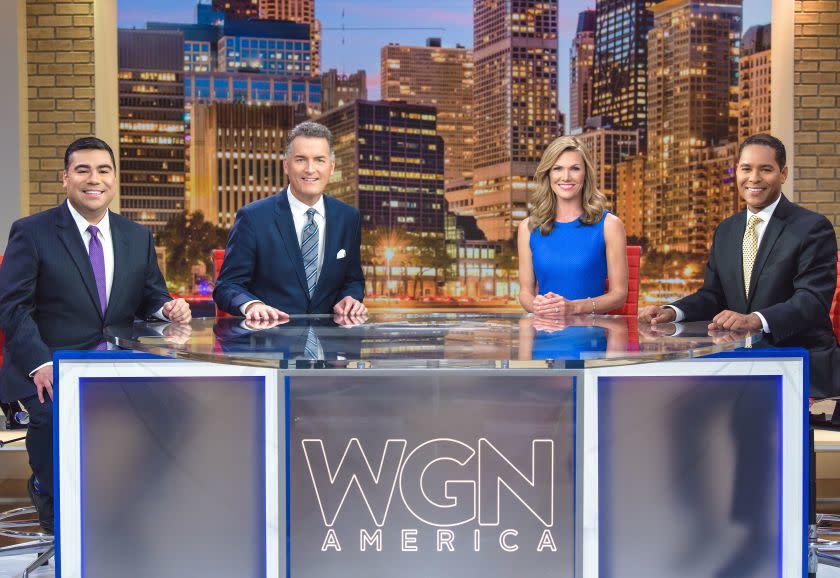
544	200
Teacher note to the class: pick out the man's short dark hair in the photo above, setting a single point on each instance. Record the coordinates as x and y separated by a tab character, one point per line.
85	144
767	141
310	129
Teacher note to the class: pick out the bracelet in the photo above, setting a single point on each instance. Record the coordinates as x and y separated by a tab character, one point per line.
593	307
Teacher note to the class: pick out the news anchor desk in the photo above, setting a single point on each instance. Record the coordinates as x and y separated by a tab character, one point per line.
466	445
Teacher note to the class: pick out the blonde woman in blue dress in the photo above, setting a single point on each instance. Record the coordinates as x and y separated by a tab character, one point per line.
570	244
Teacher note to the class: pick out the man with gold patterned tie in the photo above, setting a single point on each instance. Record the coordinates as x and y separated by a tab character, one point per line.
771	268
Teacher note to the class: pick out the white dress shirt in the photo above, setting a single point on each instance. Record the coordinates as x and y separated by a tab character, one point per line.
299	217
766	213
105	238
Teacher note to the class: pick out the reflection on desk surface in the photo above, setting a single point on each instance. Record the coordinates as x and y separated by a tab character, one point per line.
426	340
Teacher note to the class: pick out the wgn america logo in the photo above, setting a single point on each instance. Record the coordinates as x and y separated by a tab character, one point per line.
469	492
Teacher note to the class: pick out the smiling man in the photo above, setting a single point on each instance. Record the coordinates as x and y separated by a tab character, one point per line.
772	268
297	251
68	272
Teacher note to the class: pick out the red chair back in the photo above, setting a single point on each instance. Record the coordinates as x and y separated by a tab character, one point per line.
631	306
834	312
2	339
218	259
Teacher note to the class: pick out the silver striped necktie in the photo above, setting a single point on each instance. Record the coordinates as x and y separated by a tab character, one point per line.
309	249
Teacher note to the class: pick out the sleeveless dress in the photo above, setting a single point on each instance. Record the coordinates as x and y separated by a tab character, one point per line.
571	260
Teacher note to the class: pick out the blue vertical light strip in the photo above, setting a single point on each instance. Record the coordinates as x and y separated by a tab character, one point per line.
81	397
56	477
73	355
771	352
780	490
574	474
287	397
605	387
806	455
260	481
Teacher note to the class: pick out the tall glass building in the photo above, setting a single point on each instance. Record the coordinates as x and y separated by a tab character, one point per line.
151	109
389	164
515	104
621	63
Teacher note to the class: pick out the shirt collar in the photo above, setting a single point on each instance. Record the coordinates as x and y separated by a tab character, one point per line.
103	225
300	208
767	211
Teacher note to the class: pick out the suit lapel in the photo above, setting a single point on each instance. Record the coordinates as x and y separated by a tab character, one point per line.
286	225
72	240
737	240
119	240
771	234
331	236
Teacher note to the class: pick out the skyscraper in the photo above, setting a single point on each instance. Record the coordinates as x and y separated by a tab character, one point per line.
151	111
692	104
607	148
340	89
294	10
443	78
299	11
302	11
236	156
619	91
754	82
515	99
266	45
389	164
237	9
581	62
629	194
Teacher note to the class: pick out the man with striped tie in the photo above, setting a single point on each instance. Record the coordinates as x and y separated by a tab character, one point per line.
69	272
297	251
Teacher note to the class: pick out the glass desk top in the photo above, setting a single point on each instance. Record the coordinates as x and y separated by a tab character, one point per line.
433	340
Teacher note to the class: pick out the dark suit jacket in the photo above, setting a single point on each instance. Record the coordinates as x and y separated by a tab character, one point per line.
48	297
263	259
792	281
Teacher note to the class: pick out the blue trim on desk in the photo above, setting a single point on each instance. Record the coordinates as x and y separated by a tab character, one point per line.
770	352
287	396
56	462
575	561
76	355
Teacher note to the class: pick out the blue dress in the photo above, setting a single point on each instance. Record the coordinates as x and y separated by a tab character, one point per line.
571	260
569	343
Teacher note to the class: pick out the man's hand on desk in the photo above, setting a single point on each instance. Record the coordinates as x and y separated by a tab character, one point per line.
261	324
350	320
259	311
660	330
654	314
177	333
729	320
350	307
177	311
723	336
43	379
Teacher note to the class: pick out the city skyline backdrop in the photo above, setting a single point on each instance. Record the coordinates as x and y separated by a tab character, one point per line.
352	50
442	169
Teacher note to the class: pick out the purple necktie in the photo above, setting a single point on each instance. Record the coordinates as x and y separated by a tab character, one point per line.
97	262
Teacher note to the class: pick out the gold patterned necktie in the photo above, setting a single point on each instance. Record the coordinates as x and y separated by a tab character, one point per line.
750	248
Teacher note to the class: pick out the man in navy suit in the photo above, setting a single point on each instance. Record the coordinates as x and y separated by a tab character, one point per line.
771	269
297	251
67	273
